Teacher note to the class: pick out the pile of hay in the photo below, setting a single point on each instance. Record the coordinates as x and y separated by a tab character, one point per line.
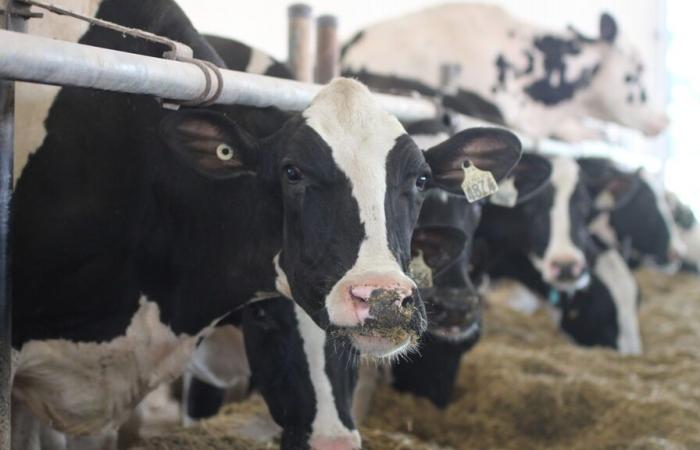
525	387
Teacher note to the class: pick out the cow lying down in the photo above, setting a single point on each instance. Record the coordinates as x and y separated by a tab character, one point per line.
136	230
544	242
543	82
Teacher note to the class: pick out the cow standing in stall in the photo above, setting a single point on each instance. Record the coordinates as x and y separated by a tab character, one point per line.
130	244
545	83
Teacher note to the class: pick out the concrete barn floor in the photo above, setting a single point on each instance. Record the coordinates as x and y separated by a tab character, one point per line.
525	387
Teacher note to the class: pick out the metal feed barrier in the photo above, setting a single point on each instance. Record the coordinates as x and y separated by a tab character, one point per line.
177	81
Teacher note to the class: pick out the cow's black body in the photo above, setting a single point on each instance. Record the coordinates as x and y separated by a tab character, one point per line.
453	302
103	212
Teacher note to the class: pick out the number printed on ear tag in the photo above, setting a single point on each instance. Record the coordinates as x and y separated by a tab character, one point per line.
507	194
421	273
478	183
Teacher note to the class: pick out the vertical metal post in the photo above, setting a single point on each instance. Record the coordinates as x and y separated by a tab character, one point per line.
327	49
11	20
449	75
300	52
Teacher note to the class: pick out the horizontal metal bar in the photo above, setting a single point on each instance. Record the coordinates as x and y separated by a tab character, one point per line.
43	60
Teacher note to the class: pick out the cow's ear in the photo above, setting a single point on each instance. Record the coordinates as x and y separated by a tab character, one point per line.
438	244
482	155
610	187
529	177
619	190
608	28
210	143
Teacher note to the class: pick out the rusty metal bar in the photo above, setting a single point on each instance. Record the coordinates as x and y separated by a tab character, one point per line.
300	58
14	18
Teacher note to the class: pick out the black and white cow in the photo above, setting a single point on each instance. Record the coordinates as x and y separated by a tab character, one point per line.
543	242
136	230
544	83
549	229
632	213
442	239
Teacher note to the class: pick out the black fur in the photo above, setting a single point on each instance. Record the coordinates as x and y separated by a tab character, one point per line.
237	55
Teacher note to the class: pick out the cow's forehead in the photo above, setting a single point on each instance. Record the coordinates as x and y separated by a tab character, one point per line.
352	123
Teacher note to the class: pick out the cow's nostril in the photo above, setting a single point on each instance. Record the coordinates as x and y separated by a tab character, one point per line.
408	301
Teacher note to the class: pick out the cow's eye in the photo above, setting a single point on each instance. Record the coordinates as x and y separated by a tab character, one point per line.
224	152
292	173
422	181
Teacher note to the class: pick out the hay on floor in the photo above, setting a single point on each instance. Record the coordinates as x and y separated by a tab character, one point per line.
526	387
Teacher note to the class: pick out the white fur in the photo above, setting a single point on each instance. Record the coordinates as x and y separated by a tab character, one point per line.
326	424
612	270
601	228
259	62
91	388
220	359
281	281
560	247
691	240
34	100
474	35
360	134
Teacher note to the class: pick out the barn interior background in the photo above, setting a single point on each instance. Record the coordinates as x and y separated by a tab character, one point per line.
663	30
525	385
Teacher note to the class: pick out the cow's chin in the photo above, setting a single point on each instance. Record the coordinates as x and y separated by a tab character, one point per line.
384	347
579	283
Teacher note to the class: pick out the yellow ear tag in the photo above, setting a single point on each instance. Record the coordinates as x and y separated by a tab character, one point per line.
478	183
421	273
507	194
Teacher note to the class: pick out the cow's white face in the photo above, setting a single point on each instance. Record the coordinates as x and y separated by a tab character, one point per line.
620	93
557	223
347	181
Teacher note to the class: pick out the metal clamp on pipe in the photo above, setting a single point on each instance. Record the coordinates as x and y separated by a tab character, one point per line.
211	92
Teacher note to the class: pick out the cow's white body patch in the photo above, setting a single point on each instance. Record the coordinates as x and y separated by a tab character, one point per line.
34	100
691	240
361	135
259	62
281	281
612	270
603	230
426	141
91	388
565	173
327	424
220	359
478	35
